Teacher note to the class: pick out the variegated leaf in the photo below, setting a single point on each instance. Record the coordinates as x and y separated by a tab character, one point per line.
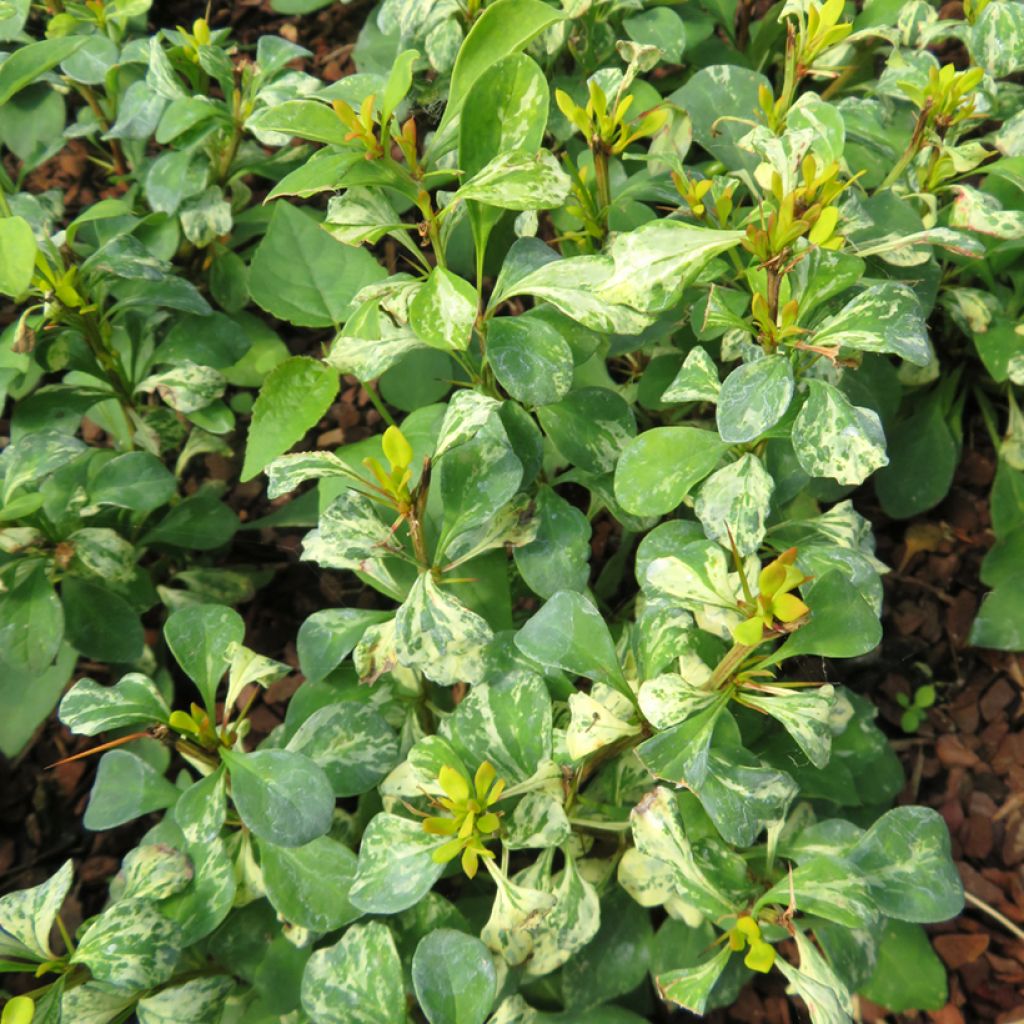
669	699
996	39
95	1003
358	980
734	502
152	872
805	714
507	723
197	1001
570	924
538	822
287	472
103	552
395	868
514	524
361	215
753	398
444	310
830	887
249	667
658	832
983	213
187	387
88	708
599	718
696	381
439	636
351	742
27	916
467	414
886	317
131	946
519	181
648	880
349	535
833	438
827	998
517	914
202	808
690	987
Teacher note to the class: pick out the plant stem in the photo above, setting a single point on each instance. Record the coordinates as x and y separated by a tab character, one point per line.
386	416
116	153
727	666
604	187
913	148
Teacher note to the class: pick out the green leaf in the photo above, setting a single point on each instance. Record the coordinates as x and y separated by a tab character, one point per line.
309	885
439	636
530	358
999	623
27	916
923	455
282	796
130	946
358	980
89	708
136	480
805	714
352	743
293	398
504	27
753	398
558	556
201	522
454	978
590	427
27	63
29	698
100	623
735	502
842	623
303	119
571	634
200	638
833	438
660	467
126	787
908	976
905	858
31	622
443	311
302	275
395	869
328	636
18	245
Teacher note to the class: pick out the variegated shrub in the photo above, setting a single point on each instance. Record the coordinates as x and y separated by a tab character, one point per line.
619	278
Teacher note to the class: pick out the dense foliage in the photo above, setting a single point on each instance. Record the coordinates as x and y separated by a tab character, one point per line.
689	273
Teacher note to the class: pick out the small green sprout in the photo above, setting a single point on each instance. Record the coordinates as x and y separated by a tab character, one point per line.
914	710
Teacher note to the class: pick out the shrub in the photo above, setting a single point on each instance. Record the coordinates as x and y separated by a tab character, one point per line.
591	267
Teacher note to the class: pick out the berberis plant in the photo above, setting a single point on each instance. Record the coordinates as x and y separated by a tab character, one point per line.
663	268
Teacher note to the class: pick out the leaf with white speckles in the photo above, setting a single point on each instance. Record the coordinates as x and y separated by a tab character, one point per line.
570	924
886	317
805	715
833	438
905	857
753	398
827	998
439	636
443	311
187	387
202	808
539	822
27	916
507	723
94	1003
88	708
349	534
131	945
395	868
358	980
519	181
830	887
153	872
286	472
197	1001
467	414
996	39
735	501
668	699
983	213
351	742
516	915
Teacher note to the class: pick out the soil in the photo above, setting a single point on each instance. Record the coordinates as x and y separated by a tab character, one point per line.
966	759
